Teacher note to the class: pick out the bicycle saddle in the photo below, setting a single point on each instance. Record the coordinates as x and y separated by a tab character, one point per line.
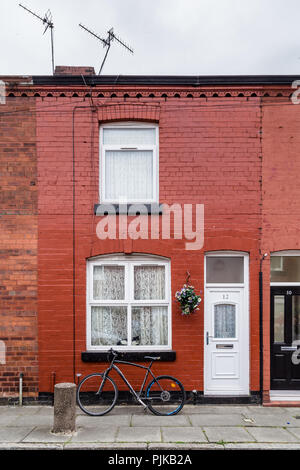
152	358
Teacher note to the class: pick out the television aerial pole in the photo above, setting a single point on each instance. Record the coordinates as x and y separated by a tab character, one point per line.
107	42
47	21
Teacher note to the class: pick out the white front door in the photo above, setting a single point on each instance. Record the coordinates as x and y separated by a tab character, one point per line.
226	340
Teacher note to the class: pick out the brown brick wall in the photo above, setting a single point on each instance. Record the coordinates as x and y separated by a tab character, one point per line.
18	246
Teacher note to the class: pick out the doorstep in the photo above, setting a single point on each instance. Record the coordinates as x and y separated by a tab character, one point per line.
283	398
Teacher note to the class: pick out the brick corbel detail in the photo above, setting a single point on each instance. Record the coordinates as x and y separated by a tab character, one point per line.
129	112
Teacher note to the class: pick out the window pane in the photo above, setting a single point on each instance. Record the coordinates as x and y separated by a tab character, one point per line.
225	269
296	316
149	282
224	321
109	282
129	136
279	318
149	326
109	326
128	174
285	268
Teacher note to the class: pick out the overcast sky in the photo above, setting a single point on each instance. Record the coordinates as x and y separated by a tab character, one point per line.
176	37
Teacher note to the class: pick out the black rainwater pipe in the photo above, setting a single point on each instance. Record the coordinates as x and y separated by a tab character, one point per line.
261	336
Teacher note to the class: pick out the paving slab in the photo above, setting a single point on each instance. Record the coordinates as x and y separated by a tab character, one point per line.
176	420
117	410
263	434
181	434
32	420
95	434
14	434
105	446
269	419
92	421
139	434
45	411
42	434
19	410
184	446
7	420
31	446
262	410
290	409
217	420
294	431
261	446
227	434
214	409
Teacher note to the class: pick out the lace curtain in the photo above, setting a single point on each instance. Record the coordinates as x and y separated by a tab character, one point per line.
109	326
109	283
224	319
149	282
149	326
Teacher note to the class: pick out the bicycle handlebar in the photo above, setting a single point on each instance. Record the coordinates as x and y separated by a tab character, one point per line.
113	352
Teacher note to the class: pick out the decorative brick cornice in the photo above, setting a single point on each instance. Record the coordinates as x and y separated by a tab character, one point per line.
127	93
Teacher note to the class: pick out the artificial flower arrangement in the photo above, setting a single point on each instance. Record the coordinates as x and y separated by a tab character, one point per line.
188	299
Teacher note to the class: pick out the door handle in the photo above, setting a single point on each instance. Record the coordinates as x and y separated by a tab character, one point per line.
207	337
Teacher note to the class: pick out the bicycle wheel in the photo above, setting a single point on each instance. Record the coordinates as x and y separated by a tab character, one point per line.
165	395
93	403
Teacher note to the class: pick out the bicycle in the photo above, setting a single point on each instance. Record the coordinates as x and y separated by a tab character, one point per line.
97	393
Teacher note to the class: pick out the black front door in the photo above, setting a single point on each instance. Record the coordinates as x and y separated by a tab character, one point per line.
285	333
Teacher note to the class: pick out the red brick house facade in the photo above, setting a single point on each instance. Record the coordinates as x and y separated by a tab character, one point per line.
68	144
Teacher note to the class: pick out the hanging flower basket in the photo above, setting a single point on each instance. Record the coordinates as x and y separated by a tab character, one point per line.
188	299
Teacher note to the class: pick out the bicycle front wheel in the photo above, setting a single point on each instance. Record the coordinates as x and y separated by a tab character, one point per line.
93	402
165	395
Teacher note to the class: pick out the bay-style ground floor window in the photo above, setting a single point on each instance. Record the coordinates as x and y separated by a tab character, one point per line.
128	302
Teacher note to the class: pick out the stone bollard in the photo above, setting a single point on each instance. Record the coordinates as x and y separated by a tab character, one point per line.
64	408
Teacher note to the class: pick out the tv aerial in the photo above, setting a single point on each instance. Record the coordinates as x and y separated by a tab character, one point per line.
47	21
107	42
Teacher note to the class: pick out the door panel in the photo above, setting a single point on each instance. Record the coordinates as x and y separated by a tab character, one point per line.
226	342
285	328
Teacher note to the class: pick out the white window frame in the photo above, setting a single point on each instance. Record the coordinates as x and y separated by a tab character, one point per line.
228	254
128	261
285	253
154	148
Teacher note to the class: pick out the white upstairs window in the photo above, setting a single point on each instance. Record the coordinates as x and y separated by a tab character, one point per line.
129	163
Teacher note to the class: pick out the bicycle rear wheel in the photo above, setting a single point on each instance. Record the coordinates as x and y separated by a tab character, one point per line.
92	402
165	395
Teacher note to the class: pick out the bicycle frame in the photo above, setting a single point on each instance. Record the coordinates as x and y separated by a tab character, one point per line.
136	395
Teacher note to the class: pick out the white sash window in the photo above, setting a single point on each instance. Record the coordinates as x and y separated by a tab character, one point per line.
129	163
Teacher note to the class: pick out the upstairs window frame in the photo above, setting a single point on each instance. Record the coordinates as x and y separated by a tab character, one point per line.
123	147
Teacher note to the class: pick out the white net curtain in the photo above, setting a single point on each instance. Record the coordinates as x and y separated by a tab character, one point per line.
128	154
128	174
148	323
224	321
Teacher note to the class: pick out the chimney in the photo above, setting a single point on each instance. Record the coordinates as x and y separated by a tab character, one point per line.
70	70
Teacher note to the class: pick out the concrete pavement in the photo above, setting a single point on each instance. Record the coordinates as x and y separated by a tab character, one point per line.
129	427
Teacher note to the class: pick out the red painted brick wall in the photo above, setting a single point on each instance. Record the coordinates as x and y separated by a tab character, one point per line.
210	153
281	194
18	246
